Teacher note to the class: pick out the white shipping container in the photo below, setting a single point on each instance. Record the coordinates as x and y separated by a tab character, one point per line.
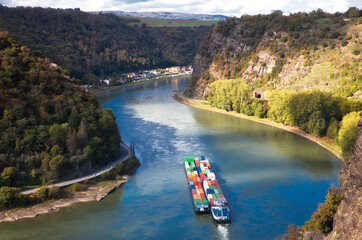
209	196
197	192
215	190
206	185
187	165
211	176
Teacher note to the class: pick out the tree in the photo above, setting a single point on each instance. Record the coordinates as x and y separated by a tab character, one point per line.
9	176
71	143
8	197
348	133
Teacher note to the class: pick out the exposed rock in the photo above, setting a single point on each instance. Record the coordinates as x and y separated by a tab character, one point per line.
265	64
347	223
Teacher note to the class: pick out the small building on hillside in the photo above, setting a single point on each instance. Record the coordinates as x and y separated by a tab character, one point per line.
259	93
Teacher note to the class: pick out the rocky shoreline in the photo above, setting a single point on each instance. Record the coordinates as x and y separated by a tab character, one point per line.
96	192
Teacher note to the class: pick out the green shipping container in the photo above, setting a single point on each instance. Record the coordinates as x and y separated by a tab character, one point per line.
213	186
213	196
205	201
217	195
219	191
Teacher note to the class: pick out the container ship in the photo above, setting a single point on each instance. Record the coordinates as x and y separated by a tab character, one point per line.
211	189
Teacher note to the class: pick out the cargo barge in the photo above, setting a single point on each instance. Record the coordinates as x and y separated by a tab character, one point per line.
201	204
202	173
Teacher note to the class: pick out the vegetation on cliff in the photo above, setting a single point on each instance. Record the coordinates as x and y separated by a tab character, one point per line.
315	50
50	128
89	45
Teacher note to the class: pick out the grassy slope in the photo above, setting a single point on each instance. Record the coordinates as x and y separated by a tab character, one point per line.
330	61
157	22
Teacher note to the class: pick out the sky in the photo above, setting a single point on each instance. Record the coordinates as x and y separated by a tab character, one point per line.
224	7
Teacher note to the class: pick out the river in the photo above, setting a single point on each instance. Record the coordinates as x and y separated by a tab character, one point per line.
270	177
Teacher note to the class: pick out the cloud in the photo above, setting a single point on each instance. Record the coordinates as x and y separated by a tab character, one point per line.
229	7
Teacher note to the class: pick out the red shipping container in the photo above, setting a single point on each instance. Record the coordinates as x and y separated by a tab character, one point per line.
217	186
203	197
222	195
194	191
197	163
190	177
212	202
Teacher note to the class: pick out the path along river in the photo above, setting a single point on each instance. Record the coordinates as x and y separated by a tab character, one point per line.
270	177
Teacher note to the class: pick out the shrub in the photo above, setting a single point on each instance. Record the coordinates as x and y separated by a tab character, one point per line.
76	187
322	220
43	193
56	193
335	34
356	51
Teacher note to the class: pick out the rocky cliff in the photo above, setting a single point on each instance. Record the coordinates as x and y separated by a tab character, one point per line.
297	52
347	222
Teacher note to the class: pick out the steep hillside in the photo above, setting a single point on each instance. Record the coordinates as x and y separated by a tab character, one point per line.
50	128
99	44
348	220
297	52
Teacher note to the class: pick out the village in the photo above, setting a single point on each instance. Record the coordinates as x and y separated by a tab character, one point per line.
142	76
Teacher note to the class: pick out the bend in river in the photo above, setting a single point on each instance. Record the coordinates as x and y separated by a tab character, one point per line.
270	177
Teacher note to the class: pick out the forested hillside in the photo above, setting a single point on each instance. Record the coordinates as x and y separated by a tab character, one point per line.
99	45
50	128
303	51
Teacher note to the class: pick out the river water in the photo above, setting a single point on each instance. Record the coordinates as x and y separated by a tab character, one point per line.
270	177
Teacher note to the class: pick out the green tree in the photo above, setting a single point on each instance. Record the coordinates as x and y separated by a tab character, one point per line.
348	133
9	176
8	197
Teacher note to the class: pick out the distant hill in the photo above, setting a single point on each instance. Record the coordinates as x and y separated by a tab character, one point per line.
90	46
169	15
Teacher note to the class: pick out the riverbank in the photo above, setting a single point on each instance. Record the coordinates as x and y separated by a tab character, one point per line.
95	192
106	89
323	142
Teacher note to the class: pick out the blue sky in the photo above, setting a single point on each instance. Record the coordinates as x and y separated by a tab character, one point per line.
229	7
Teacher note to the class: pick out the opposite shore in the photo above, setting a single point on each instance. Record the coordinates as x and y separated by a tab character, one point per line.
97	190
203	105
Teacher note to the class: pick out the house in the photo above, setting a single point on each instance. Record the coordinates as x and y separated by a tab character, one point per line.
130	75
106	81
146	74
259	93
173	69
156	72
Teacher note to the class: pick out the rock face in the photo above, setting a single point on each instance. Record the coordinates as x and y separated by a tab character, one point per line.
265	53
347	223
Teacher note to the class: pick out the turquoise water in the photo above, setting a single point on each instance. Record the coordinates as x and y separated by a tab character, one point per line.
270	177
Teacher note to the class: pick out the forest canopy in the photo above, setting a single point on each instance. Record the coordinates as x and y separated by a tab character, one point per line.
50	128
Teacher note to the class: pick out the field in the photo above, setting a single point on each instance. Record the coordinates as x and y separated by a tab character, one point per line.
158	22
